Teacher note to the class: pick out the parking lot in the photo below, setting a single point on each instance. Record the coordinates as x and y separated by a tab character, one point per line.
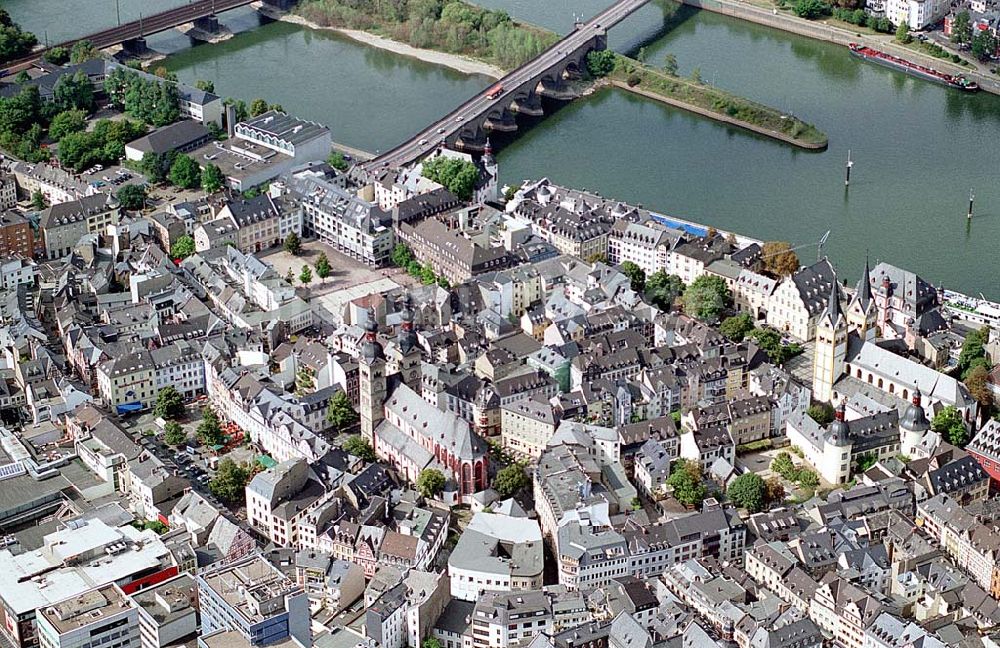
113	177
192	464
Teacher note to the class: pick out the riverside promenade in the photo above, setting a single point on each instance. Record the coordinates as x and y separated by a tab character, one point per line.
819	30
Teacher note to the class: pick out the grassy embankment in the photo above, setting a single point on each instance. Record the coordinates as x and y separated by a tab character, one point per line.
703	99
450	26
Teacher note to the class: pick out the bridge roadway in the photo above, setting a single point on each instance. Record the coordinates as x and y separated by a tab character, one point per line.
480	105
152	24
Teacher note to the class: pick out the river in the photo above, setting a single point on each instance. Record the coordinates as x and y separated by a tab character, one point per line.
918	147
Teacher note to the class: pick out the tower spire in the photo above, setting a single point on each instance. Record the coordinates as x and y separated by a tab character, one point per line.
865	286
833	310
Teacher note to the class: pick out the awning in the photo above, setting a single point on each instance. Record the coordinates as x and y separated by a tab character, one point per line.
128	408
266	462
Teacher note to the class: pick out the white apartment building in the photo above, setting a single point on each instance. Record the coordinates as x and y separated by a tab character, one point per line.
918	14
99	617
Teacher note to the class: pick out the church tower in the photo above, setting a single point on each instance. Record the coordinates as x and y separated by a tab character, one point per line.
408	362
912	426
862	313
831	348
371	380
491	172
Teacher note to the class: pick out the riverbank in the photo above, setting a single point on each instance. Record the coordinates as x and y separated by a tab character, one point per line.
453	61
715	104
821	31
454	28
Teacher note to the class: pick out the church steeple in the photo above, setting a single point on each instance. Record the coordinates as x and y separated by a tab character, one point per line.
834	314
864	293
862	311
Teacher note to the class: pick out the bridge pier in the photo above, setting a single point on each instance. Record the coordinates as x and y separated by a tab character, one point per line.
503	123
280	5
555	89
530	106
208	24
135	47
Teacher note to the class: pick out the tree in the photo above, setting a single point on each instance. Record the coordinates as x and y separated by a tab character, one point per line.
431	642
430	482
132	196
454	174
779	259
205	86
292	244
510	479
822	413
949	424
209	430
685	479
104	144
322	266
984	45
337	160
57	56
808	479
903	33
340	413
306	275
600	62
169	403
356	445
14	42
706	297
38	200
670	64
154	167
184	172
230	481
977	382
182	248
258	107
810	9
748	491
66	122
290	276
22	77
736	327
83	51
774	490
973	349
770	341
276	108
173	434
696	75
636	275
662	289
866	461
961	28
239	106
212	179
74	91
401	255
783	465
